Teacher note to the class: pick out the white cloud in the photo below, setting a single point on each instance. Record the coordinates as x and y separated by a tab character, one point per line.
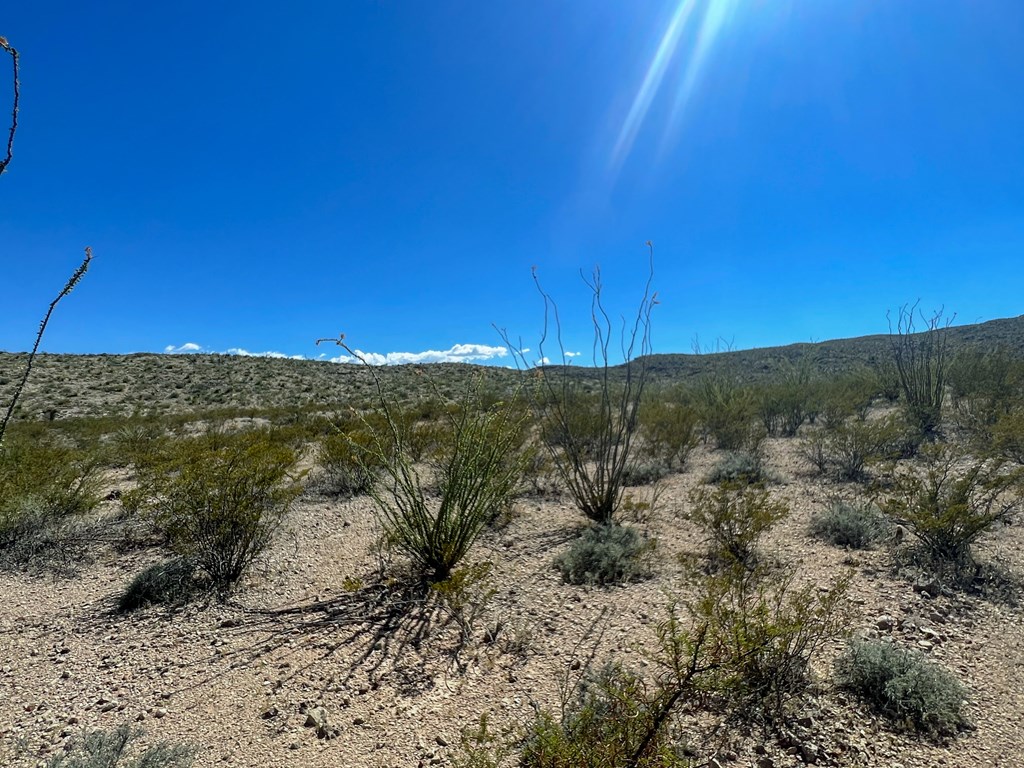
459	353
188	346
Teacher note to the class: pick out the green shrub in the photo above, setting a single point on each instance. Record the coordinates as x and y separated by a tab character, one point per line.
903	686
1007	436
348	462
668	425
984	385
848	450
612	721
855	526
168	583
727	412
45	488
111	749
763	633
951	503
741	468
219	498
607	554
734	519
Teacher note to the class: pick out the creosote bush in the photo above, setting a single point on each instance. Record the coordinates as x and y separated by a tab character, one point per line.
219	498
668	425
44	488
739	653
847	451
903	686
845	524
607	554
951	502
734	518
727	410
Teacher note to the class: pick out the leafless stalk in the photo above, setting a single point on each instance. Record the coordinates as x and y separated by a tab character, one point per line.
68	287
14	111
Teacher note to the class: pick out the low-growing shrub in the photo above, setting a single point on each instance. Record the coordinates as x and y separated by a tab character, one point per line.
45	488
607	554
168	583
903	686
613	721
112	749
855	526
734	519
219	498
847	451
348	464
742	468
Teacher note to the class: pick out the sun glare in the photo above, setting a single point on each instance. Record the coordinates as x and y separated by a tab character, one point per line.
684	48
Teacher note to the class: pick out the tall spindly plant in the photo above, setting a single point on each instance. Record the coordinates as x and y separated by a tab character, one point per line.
72	281
591	434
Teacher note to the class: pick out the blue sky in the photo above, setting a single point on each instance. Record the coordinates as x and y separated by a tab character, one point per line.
256	175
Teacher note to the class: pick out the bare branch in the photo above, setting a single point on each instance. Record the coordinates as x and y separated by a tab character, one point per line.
14	111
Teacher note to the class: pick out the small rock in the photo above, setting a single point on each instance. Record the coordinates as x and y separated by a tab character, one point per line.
441	740
928	588
358	720
765	762
885	623
810	753
159	712
269	714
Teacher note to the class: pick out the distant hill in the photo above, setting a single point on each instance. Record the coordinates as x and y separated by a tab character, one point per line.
67	386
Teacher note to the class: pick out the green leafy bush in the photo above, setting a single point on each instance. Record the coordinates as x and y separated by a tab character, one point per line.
903	686
111	749
847	451
44	486
952	502
856	526
764	632
219	498
613	721
727	411
734	519
607	554
348	462
668	425
984	385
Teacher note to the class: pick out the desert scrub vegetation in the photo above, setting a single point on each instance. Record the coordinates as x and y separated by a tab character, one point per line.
171	582
846	452
115	749
784	404
734	518
219	498
985	385
737	654
727	411
669	425
742	468
903	686
591	435
951	501
607	554
434	513
922	364
850	525
45	488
